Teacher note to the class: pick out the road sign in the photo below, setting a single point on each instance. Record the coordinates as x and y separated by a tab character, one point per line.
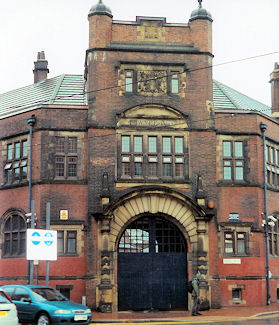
41	244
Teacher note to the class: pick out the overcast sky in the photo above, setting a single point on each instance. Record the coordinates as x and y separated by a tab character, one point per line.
241	29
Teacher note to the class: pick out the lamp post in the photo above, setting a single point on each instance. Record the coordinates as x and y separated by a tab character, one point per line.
31	122
263	129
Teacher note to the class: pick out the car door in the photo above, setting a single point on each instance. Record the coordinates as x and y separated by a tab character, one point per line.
25	308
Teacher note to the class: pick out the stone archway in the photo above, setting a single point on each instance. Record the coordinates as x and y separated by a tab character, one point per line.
190	218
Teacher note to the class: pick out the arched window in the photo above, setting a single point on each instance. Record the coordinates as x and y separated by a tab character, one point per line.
273	234
14	232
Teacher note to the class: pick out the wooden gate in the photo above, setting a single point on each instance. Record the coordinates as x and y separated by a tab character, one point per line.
152	266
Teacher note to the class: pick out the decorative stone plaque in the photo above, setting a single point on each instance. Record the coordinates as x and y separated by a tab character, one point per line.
152	83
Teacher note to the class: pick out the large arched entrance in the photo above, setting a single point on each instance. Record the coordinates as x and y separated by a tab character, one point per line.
134	277
152	265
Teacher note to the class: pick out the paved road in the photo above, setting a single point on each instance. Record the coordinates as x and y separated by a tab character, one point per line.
267	320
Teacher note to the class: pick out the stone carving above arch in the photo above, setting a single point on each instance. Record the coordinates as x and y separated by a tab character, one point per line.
152	116
155	202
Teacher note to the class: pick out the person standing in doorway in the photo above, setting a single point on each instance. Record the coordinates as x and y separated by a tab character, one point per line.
196	295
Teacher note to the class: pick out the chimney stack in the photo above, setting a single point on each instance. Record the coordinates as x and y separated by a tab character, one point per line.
274	80
40	67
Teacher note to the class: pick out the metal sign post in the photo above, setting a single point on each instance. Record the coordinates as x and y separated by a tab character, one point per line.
47	227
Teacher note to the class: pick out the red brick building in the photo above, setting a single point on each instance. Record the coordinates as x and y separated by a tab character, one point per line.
152	169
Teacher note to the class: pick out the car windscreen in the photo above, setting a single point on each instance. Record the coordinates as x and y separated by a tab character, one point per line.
3	298
48	294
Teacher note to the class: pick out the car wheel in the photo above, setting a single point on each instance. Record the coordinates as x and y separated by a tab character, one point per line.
43	319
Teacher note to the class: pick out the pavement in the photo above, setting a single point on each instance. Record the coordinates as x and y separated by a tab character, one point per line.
233	313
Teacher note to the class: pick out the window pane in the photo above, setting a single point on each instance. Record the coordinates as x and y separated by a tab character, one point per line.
72	166
60	241
238	149
7	244
179	170
72	145
241	246
22	243
60	144
272	155
178	144
138	169
17	150
167	170
24	173
267	153
71	241
137	144
152	144
239	173
16	174
174	84
59	166
126	169
129	81
270	243
24	148
152	169
228	247
136	237
227	173
125	143
9	176
166	145
10	152
227	151
275	244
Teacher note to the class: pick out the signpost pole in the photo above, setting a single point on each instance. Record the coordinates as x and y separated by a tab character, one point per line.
47	227
31	271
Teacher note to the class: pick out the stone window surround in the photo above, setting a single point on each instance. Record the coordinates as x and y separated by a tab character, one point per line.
235	228
169	69
19	162
79	237
145	155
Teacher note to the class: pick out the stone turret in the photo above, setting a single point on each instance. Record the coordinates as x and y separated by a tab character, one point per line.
201	22
274	80
100	21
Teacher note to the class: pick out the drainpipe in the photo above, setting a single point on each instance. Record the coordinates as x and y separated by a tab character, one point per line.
263	129
31	122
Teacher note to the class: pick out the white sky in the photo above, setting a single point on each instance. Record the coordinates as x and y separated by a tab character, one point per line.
241	29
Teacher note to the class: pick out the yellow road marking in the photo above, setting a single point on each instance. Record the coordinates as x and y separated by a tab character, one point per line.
157	323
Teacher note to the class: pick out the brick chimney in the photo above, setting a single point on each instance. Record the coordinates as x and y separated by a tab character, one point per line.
274	80
40	67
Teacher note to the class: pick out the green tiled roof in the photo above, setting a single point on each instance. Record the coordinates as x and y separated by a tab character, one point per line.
70	90
60	90
225	97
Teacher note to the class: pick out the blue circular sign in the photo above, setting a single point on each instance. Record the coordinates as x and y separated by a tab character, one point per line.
36	238
48	239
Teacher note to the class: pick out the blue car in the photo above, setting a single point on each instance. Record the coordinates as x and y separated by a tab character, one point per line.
43	305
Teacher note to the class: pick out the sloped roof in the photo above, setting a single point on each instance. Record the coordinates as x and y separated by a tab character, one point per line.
225	97
61	90
69	89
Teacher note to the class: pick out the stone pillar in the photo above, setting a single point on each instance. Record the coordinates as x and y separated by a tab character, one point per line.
104	291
